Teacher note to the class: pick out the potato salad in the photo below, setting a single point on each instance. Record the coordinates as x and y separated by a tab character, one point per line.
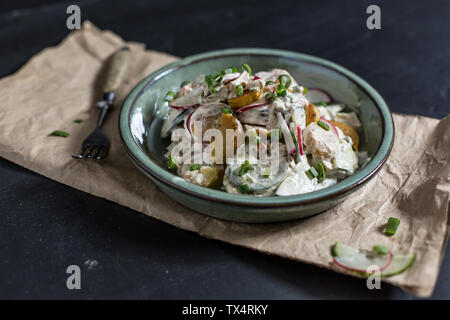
259	134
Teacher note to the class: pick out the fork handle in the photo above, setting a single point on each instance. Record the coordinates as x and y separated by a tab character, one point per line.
114	76
116	71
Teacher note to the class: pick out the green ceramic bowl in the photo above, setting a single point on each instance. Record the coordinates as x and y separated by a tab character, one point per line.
143	111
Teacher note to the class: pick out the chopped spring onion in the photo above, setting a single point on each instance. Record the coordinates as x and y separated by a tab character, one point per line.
78	121
322	172
245	167
285	80
244	188
194	167
312	173
246	67
270	82
281	90
210	83
286	134
391	226
323	125
270	96
305	90
323	104
171	164
226	110
380	249
186	82
59	133
169	96
239	90
267	173
275	133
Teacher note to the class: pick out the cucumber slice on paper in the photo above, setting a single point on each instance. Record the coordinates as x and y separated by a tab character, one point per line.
400	263
358	261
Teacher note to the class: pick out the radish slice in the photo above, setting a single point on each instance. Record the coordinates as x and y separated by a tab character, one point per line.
189	100
332	126
318	95
257	104
359	260
299	140
286	134
206	114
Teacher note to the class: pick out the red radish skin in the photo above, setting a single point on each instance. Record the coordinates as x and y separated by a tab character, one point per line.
299	140
183	107
249	107
330	124
336	261
188	123
256	78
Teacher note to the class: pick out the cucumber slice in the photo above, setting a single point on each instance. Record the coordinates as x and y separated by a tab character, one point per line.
359	260
399	264
340	250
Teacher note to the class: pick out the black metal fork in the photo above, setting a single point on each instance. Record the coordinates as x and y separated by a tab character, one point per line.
96	145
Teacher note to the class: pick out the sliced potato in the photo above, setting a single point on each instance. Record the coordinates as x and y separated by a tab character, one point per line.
228	121
213	176
348	131
312	114
244	100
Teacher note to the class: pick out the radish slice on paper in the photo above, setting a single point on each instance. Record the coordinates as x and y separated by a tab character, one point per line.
286	134
332	126
318	95
359	260
256	104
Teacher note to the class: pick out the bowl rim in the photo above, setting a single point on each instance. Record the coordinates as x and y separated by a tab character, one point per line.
352	183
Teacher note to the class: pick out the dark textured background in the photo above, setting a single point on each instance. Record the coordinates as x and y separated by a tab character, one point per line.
45	226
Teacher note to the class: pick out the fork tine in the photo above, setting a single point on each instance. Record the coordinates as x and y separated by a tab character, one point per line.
92	151
96	152
82	154
103	153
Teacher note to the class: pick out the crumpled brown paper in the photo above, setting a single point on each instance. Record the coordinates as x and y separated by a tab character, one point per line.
61	84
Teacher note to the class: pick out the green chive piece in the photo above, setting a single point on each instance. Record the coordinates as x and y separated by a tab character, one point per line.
194	167
322	172
270	96
228	70
270	82
244	188
186	82
234	69
305	90
274	133
267	173
59	133
312	173
247	67
391	226
226	110
210	83
171	164
169	96
239	90
323	125
380	249
285	80
244	168
323	104
78	121
281	90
